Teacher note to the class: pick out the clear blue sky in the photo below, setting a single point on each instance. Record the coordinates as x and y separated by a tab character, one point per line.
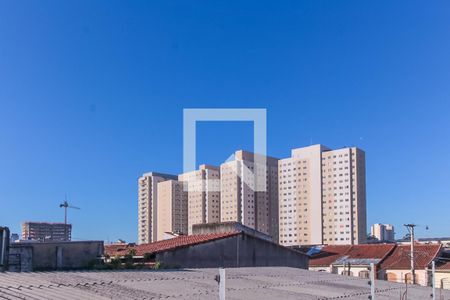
92	93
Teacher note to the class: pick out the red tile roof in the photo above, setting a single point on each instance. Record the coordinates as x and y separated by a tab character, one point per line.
114	249
328	254
443	262
445	266
160	246
400	259
370	251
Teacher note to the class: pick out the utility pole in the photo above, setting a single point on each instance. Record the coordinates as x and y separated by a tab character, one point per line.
220	279
410	228
372	281
433	271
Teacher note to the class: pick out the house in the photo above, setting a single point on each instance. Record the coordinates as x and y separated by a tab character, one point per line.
352	260
213	250
397	267
443	274
357	260
326	256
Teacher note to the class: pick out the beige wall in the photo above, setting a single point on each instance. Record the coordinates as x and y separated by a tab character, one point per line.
383	232
322	196
147	205
172	209
399	276
239	200
203	188
300	192
445	277
355	271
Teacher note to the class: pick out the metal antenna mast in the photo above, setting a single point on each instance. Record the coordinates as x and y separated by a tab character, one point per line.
66	205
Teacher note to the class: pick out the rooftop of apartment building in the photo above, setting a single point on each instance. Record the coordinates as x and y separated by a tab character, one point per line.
45	223
160	175
250	156
208	167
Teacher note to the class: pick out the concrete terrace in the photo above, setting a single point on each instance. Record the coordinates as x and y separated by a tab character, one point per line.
242	283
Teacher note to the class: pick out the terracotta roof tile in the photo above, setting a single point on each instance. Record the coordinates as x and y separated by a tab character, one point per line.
444	266
159	246
328	254
400	258
377	251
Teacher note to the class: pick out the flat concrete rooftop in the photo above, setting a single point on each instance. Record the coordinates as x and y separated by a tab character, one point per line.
242	283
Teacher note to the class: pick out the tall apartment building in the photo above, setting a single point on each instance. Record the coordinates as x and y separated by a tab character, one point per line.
172	209
322	196
45	231
203	190
147	205
239	199
383	232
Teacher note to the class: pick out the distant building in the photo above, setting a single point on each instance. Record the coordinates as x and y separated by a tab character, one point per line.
172	209
317	196
203	187
243	203
45	231
444	241
383	232
147	205
14	238
322	196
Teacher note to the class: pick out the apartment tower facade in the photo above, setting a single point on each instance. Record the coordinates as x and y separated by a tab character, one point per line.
147	205
203	192
172	209
241	202
383	232
46	231
322	196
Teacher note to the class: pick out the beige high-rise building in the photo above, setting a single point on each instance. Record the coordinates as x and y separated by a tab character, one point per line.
241	201
203	187
383	232
46	231
172	209
322	196
147	205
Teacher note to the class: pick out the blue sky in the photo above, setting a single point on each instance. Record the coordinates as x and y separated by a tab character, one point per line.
92	95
